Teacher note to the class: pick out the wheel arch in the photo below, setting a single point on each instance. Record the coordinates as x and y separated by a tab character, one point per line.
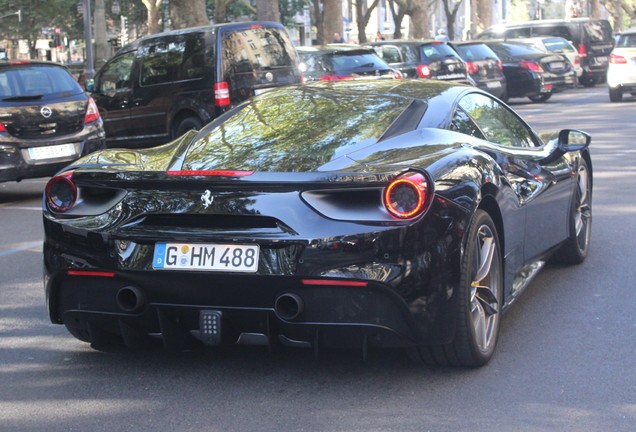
588	160
489	204
181	115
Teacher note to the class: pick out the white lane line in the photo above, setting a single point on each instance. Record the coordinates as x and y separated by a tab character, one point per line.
33	246
11	207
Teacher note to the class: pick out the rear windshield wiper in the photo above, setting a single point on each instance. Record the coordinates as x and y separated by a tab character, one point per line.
23	98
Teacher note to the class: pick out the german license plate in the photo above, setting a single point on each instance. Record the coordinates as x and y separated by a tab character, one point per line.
557	65
493	84
52	152
206	257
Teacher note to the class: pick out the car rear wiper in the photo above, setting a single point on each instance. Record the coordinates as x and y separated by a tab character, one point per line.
23	98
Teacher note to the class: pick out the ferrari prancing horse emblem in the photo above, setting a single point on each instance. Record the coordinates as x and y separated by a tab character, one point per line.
207	198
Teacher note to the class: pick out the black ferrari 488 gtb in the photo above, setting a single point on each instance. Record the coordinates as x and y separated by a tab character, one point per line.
334	214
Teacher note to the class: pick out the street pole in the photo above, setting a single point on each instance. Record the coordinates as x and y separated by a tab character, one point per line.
102	48
90	68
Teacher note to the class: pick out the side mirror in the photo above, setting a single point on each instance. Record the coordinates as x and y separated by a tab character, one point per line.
568	140
90	85
573	140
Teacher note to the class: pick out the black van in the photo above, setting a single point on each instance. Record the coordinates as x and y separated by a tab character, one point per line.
160	86
592	37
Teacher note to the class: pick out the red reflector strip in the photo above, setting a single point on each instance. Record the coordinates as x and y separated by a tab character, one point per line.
90	273
332	282
210	173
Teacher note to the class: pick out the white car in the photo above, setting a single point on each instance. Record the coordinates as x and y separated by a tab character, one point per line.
621	74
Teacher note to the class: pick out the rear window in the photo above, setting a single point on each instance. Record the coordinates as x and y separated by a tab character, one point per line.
294	129
598	31
558	45
352	60
507	49
36	80
437	52
474	52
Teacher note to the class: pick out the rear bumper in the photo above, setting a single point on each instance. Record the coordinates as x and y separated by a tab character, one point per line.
561	83
378	285
495	87
252	310
16	165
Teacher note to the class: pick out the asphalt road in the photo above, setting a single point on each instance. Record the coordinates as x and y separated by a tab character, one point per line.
566	360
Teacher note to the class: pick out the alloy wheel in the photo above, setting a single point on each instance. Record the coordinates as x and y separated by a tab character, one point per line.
484	301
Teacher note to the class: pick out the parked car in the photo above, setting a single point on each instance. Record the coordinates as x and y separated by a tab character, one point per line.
340	213
46	120
338	61
484	67
423	59
621	74
592	37
557	45
531	72
163	85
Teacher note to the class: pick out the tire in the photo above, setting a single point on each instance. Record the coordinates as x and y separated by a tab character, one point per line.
576	247
504	96
615	94
185	125
587	81
540	97
479	300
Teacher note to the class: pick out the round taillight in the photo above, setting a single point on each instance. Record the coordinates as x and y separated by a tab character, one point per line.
61	192
406	196
472	67
423	71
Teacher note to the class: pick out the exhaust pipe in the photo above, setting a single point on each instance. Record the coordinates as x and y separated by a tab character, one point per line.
289	306
130	299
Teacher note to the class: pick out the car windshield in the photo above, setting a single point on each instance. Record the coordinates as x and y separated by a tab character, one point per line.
35	81
295	129
626	41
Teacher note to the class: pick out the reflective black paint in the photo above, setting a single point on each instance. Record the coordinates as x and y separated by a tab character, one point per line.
411	267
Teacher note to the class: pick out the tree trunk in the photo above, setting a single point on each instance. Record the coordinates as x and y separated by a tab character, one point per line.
267	10
398	11
188	13
451	16
154	9
362	18
332	19
420	27
319	19
481	16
